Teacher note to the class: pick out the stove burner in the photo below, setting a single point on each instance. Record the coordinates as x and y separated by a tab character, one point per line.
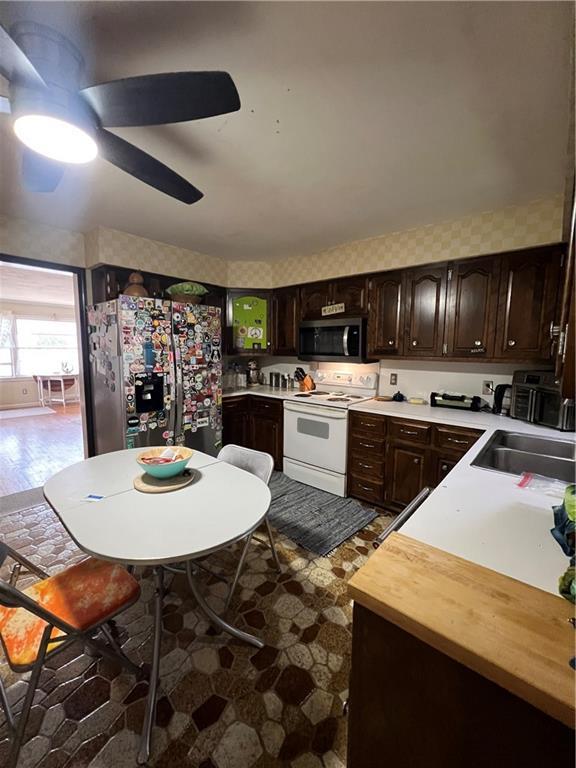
338	399
303	394
319	392
356	397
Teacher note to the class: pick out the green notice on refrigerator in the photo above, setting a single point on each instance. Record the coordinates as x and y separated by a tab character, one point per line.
250	323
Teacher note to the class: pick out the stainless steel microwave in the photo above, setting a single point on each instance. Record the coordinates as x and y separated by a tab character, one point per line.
333	340
536	398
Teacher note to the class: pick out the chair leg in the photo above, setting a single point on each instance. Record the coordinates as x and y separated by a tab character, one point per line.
272	547
7	708
238	571
116	653
32	685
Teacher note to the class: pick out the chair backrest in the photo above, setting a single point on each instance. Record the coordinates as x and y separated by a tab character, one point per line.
256	462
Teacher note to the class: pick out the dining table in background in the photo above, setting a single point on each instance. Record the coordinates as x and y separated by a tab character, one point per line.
98	505
64	381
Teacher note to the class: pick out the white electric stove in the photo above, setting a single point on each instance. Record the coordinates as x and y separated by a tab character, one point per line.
316	428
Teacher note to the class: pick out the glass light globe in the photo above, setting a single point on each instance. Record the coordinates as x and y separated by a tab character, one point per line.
55	138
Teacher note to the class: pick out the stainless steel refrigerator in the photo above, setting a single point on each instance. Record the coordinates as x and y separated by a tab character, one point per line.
156	373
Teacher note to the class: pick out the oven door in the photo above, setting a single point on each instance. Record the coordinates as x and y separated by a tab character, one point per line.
316	435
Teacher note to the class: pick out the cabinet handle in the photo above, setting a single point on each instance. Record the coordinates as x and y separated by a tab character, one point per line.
408	432
366	466
458	442
414	343
365	488
367	424
444	467
366	445
391	342
511	343
477	343
416	461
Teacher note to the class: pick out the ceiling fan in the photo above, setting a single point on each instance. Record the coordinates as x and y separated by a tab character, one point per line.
59	123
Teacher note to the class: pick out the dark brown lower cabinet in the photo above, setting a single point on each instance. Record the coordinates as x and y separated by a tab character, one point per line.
412	706
407	473
254	422
390	459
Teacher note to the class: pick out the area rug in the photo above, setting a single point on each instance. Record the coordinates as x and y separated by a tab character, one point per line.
316	520
18	413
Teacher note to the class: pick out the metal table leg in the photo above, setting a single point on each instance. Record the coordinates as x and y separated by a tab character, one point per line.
145	739
214	618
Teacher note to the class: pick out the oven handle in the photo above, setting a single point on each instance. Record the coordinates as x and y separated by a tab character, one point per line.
345	340
317	410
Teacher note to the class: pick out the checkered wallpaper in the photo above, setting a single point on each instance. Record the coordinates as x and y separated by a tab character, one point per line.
536	223
19	237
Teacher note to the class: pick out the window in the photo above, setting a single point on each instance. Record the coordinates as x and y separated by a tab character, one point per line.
40	346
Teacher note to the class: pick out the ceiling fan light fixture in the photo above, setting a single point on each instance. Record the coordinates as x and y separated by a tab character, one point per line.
55	138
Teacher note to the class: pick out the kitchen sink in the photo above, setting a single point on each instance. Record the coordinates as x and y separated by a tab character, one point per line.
516	453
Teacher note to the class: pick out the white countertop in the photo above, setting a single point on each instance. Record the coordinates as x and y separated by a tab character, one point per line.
262	390
482	515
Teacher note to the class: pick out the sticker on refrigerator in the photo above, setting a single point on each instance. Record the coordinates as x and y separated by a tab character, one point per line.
203	422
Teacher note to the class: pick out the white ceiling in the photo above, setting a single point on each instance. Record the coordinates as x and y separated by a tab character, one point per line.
36	285
357	118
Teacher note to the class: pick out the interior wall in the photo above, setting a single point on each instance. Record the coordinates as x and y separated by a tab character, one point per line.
23	391
537	223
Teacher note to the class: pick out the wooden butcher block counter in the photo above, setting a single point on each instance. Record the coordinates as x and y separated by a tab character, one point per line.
454	664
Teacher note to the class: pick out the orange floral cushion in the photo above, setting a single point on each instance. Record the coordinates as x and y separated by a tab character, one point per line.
82	596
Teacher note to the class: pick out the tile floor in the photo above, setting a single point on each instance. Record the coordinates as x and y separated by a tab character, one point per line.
34	448
222	703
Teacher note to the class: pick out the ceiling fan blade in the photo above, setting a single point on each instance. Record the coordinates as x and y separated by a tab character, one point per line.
40	174
145	167
15	66
5	105
173	97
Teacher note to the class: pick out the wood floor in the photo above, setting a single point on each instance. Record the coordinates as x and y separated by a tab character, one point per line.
32	449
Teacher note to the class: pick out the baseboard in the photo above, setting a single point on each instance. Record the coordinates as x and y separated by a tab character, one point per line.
12	406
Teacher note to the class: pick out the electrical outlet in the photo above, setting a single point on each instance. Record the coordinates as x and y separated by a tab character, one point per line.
487	387
394	378
24	391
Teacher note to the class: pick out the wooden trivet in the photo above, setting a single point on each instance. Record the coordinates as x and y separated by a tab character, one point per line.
148	484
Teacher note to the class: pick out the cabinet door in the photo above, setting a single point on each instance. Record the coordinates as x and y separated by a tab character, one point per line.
406	474
385	301
312	299
352	292
267	436
425	304
471	307
529	286
445	463
285	313
236	422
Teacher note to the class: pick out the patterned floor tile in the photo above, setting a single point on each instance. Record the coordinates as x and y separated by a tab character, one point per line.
222	704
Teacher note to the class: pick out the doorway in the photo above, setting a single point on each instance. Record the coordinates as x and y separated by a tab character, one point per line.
43	425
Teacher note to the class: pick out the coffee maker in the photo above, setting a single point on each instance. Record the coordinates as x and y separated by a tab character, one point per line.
252	373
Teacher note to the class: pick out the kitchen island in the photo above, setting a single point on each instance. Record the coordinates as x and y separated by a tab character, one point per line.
456	665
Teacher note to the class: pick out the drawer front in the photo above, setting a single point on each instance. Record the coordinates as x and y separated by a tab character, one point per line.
455	439
235	404
367	445
367	424
364	489
266	406
366	466
410	431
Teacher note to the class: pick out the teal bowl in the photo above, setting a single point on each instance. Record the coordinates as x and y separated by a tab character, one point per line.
164	471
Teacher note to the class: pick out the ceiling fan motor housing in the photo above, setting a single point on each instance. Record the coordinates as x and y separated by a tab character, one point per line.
61	66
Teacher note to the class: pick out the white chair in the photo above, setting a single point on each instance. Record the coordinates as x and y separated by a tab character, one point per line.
259	464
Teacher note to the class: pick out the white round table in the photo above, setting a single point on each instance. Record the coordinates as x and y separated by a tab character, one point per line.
96	502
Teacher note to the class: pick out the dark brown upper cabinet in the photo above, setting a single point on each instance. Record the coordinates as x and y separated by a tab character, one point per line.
312	298
285	316
529	286
352	292
425	305
471	308
385	301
